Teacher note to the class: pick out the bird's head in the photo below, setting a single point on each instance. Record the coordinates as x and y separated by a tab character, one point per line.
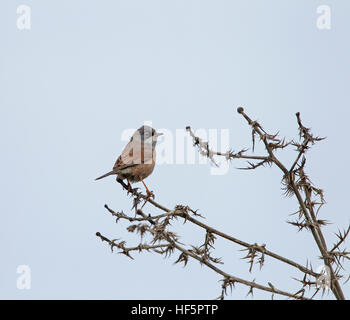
147	135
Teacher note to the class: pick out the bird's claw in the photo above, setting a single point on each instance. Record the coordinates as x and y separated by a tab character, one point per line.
150	194
132	190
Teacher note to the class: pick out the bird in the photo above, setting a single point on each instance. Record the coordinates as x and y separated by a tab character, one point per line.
137	159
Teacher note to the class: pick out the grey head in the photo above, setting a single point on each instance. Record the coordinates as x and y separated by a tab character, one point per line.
147	135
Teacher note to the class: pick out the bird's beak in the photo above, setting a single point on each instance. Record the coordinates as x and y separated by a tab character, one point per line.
157	134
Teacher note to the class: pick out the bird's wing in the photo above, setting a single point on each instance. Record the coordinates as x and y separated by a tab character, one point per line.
133	154
120	165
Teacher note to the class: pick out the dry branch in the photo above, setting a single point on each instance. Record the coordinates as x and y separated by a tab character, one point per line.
295	183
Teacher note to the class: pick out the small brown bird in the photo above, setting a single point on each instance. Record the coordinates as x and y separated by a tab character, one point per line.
137	160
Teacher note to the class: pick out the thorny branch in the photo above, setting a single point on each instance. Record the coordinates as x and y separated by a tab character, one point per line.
205	151
295	182
182	212
170	243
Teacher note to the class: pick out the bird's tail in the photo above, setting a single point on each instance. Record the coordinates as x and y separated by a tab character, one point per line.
106	175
